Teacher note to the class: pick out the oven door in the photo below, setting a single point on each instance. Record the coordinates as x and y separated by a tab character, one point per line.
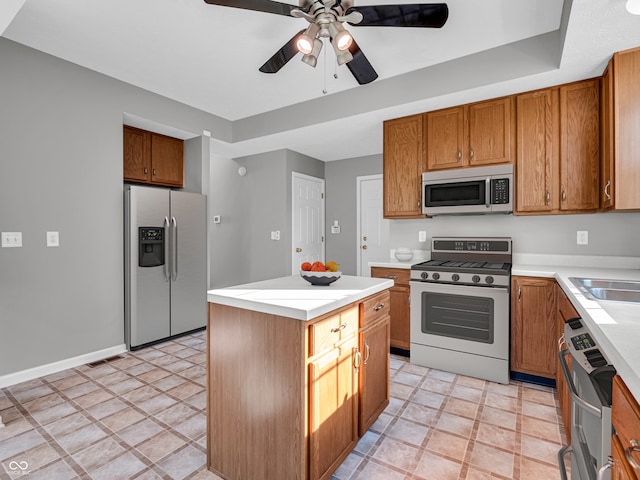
462	318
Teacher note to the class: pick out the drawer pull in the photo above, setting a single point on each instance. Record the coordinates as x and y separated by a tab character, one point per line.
341	327
378	307
635	447
357	360
604	468
392	276
367	352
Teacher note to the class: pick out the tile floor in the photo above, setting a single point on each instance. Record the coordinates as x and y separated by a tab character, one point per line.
143	417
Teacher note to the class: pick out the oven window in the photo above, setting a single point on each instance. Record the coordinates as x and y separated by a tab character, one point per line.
458	316
453	194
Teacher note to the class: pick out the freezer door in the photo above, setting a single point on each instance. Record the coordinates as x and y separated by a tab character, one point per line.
147	289
188	243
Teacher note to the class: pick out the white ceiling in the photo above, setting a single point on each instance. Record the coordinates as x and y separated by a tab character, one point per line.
184	50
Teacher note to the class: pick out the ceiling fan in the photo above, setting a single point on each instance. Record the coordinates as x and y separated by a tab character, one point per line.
325	22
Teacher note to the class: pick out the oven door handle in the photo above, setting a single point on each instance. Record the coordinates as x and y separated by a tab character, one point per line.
573	393
561	454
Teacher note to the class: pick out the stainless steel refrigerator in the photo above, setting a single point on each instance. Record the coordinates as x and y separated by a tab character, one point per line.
165	236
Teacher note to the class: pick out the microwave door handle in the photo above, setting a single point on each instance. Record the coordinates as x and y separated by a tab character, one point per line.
487	193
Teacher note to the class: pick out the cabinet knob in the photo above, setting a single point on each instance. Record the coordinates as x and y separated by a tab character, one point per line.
459	154
154	171
547	198
145	170
472	153
564	195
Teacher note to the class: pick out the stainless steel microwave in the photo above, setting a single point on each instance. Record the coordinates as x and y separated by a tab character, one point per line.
468	191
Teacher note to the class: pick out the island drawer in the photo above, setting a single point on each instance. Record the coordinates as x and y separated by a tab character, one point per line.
326	333
374	308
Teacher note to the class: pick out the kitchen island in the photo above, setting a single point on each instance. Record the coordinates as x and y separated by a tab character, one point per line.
296	375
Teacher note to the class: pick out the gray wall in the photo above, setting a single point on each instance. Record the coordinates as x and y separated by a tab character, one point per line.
61	170
614	234
341	205
251	207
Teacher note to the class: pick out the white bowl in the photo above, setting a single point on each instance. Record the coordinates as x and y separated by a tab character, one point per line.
403	254
320	278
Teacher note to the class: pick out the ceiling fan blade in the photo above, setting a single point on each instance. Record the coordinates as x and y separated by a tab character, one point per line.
429	15
360	67
268	6
282	56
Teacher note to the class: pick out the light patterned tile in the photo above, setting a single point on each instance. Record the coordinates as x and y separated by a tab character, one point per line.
409	432
540	450
466	393
502	418
428	399
122	419
540	429
493	460
183	462
375	471
533	470
398	454
448	445
420	414
496	436
541	411
461	407
455	424
432	466
407	378
160	445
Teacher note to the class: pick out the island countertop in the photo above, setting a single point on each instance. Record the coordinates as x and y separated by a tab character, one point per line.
294	297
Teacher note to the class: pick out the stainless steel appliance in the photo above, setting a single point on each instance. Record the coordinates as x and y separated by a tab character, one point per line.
165	236
460	307
589	383
478	190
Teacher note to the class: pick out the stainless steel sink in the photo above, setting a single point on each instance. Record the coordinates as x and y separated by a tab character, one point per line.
613	290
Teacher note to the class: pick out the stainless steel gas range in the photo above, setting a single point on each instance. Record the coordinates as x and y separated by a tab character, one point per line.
460	307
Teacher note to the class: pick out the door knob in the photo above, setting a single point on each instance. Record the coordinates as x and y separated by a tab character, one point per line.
298	250
364	247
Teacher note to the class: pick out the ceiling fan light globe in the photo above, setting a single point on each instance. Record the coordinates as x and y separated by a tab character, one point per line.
305	44
343	40
312	58
633	7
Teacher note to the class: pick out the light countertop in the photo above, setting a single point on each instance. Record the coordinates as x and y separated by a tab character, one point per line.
615	326
294	297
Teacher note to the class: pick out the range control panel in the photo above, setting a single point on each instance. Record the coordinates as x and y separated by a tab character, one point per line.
584	348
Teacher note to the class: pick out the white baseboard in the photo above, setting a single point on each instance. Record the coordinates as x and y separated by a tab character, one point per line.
42	370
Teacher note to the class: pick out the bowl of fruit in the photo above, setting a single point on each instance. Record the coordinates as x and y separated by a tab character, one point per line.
319	273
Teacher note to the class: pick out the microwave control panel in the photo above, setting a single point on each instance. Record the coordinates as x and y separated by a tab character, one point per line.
499	190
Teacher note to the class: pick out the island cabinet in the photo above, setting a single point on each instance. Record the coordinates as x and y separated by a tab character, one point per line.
620	126
533	326
288	398
565	312
403	164
400	303
558	149
625	416
480	133
152	158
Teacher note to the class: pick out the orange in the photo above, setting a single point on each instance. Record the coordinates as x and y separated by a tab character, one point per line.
306	266
318	267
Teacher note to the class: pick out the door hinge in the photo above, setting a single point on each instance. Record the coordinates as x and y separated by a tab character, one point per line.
322	195
322	238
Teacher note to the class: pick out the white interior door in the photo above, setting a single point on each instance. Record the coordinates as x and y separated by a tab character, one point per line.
308	220
373	228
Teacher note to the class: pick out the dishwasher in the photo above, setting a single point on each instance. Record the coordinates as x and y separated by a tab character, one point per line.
589	383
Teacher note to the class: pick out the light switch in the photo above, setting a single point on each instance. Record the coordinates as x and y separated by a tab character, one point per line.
422	236
11	239
582	237
53	239
275	235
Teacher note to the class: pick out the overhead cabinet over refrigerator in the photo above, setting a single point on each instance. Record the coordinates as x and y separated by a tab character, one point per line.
165	236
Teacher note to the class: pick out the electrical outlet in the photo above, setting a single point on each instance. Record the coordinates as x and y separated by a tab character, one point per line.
53	239
422	236
582	237
11	239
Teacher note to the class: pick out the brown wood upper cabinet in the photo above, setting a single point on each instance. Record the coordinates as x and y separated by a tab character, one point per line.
620	98
471	135
558	149
402	167
152	158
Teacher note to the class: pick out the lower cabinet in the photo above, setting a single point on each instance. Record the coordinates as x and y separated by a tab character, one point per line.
333	409
533	326
400	295
625	416
565	311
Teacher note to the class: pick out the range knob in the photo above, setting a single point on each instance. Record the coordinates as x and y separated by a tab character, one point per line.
476	279
424	275
455	277
489	279
435	276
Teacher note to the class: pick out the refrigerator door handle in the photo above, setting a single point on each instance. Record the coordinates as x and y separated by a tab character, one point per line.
165	269
174	256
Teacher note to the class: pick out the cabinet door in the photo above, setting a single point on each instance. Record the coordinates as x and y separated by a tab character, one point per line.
491	131
167	160
402	167
627	125
447	138
400	326
374	373
136	154
607	140
565	311
333	409
621	469
533	327
537	151
580	146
